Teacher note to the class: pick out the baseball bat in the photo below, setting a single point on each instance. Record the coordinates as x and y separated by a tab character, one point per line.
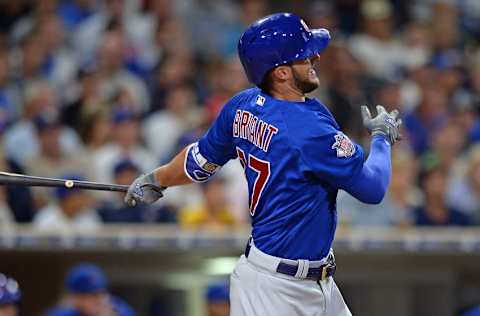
7	178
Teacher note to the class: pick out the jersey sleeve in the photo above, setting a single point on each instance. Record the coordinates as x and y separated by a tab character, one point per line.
325	151
217	144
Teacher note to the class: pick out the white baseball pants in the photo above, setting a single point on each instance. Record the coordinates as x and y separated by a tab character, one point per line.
257	290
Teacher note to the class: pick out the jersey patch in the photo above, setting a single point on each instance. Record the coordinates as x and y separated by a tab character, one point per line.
343	145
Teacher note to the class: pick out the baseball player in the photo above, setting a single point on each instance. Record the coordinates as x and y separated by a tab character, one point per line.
295	160
87	295
10	296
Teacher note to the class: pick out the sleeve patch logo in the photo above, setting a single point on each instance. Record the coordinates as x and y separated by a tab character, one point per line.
343	145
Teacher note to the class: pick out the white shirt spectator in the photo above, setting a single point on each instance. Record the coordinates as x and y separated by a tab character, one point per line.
21	142
107	157
135	87
382	58
6	218
51	218
161	132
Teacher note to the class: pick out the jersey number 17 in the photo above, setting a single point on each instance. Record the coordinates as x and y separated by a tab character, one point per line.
262	168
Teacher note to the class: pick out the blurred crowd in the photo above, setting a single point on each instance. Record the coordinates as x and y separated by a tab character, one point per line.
107	89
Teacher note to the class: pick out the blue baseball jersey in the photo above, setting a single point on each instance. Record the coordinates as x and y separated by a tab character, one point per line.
295	159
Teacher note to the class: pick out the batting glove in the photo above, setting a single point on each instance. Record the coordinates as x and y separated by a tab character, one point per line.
145	189
384	123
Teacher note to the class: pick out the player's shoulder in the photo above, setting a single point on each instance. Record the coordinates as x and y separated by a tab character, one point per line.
244	96
309	117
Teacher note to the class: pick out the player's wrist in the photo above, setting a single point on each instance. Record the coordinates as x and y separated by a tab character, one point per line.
153	178
382	136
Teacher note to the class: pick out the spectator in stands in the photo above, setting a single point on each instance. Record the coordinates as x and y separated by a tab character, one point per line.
448	143
174	71
75	12
206	17
10	296
463	192
464	114
60	66
115	210
112	70
434	211
28	23
323	14
218	303
346	88
397	207
445	34
378	36
417	39
224	89
213	213
87	295
19	199
125	145
21	141
9	96
88	34
427	118
32	55
51	161
86	98
137	29
12	12
6	214
95	129
72	212
475	91
163	129
16	202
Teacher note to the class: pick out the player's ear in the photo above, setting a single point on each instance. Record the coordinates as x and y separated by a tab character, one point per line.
282	73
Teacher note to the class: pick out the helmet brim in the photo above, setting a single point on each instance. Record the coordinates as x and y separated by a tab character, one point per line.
318	42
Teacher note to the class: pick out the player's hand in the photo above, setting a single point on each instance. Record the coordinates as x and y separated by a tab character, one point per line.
145	189
386	124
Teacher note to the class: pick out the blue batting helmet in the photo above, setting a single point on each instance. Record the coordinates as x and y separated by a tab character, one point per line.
9	290
275	40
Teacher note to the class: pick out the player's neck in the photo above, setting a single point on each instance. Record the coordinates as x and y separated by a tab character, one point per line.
287	93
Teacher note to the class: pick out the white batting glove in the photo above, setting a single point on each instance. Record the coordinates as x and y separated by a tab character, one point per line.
145	189
384	123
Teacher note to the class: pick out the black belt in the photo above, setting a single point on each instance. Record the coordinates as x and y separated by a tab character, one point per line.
317	274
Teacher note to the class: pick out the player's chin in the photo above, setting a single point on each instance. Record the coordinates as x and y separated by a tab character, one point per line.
310	85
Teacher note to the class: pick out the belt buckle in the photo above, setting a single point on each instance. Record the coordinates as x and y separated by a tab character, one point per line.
323	276
327	271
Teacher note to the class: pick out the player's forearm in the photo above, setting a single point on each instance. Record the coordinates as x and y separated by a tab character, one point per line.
371	184
173	173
